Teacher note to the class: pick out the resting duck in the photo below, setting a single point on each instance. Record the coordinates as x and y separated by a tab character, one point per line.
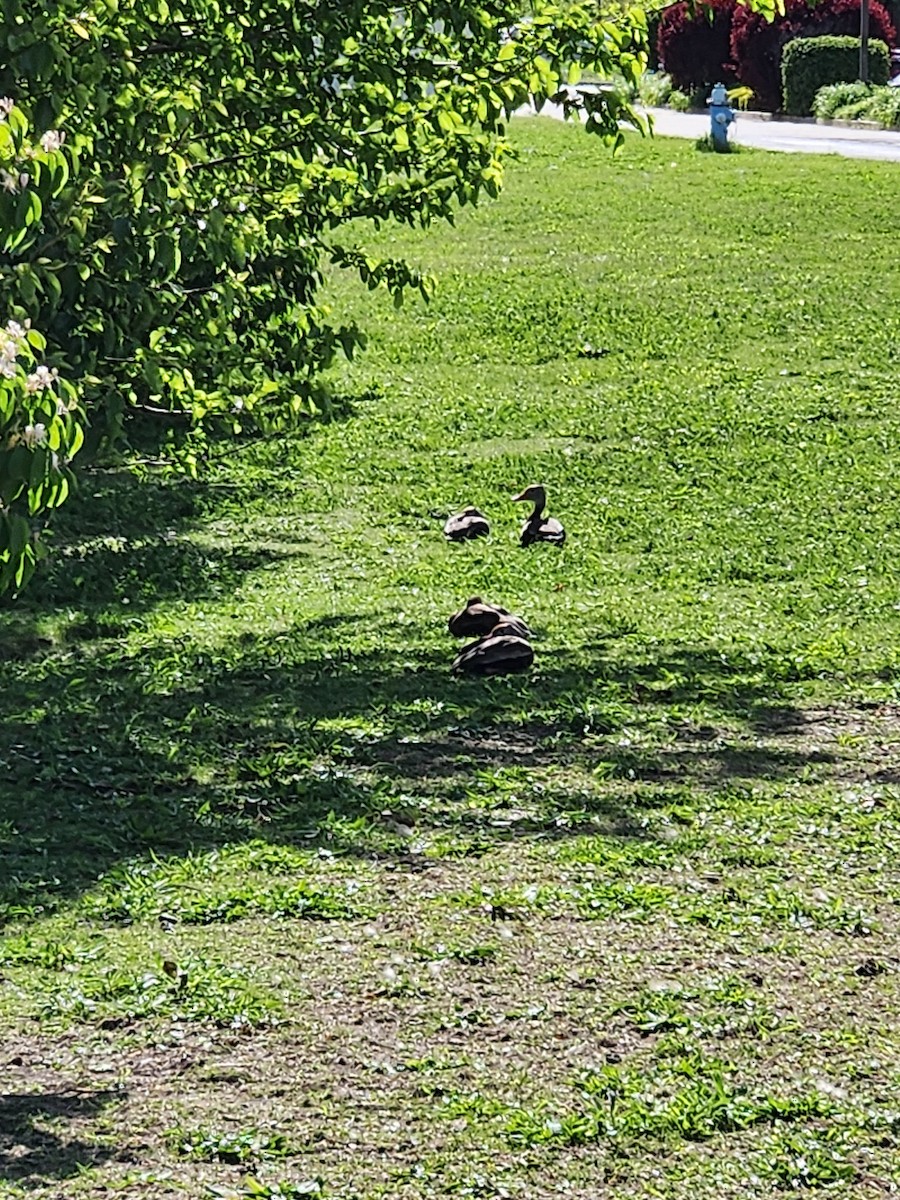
470	523
478	619
501	652
539	528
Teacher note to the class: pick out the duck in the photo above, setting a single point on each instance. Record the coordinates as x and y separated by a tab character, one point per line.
539	528
478	619
500	652
465	525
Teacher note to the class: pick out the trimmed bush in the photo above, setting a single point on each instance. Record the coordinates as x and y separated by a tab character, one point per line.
757	44
808	64
693	44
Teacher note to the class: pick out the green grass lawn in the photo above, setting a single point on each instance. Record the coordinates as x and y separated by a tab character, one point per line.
280	900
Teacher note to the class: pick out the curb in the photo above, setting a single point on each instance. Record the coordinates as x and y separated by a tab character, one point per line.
837	121
786	119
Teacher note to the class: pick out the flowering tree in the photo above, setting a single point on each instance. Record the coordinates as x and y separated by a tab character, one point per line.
41	426
40	432
228	147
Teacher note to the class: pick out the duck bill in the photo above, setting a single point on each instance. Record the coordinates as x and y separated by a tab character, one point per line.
521	496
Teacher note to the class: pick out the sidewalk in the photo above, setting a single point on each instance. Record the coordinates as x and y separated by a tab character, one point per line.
800	137
752	129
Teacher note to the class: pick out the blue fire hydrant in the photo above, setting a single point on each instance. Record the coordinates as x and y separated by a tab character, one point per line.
721	114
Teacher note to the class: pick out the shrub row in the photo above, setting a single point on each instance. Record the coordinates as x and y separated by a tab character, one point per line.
859	102
725	41
809	64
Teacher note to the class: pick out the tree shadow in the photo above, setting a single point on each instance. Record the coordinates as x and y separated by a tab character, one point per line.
30	1152
122	544
172	749
150	558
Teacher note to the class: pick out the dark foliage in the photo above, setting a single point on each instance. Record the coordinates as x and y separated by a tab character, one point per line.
693	44
653	20
756	45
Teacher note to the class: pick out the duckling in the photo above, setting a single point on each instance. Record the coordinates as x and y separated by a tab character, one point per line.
501	652
539	528
478	619
470	523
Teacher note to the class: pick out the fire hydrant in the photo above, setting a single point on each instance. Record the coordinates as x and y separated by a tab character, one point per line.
721	114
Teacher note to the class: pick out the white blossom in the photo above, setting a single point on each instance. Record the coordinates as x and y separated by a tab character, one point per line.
35	434
8	182
12	338
15	333
437	26
52	140
6	106
41	378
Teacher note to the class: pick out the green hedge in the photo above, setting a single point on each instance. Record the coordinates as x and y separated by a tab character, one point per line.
808	64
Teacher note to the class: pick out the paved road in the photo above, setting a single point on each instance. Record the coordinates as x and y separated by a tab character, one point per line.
795	137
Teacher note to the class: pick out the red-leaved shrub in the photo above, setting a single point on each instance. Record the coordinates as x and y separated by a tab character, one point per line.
756	43
694	43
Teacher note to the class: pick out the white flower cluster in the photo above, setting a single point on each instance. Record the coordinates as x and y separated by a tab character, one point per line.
6	106
34	434
12	338
52	140
12	183
41	379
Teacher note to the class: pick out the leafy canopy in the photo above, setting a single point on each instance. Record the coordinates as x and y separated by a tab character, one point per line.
226	145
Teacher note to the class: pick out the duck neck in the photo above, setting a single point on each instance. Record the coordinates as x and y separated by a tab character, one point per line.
539	505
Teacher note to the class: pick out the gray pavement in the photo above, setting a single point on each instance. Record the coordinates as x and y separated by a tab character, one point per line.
796	137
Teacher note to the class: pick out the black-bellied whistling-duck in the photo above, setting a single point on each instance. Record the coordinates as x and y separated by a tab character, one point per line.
478	619
501	652
465	525
539	528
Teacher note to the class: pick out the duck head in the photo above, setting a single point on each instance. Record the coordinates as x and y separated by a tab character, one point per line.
535	493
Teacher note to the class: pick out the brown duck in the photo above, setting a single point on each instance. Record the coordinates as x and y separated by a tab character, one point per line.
539	528
478	619
501	652
465	525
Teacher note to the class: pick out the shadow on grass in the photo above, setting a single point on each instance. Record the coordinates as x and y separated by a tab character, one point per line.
119	545
123	550
111	753
173	748
30	1152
